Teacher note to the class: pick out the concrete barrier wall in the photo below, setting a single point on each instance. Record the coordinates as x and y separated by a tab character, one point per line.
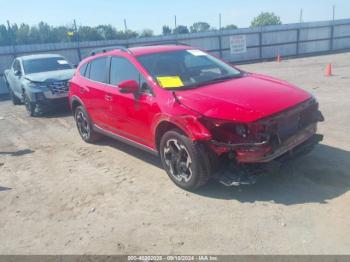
262	43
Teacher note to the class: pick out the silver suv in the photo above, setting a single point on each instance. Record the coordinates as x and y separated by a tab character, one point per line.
39	81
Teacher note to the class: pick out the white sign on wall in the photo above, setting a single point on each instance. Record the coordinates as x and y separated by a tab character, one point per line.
238	44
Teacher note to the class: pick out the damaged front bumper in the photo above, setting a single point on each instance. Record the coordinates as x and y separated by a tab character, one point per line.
264	152
276	143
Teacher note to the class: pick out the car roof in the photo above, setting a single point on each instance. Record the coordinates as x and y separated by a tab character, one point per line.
139	51
39	56
145	50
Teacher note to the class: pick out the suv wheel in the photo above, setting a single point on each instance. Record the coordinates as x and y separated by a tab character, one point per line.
15	100
30	106
186	163
84	125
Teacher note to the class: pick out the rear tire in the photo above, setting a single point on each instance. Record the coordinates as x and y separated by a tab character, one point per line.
15	100
188	164
85	126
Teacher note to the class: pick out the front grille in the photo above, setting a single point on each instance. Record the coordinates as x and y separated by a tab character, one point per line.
298	119
58	88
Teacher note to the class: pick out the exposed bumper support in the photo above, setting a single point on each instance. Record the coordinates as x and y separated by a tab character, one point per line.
249	174
265	151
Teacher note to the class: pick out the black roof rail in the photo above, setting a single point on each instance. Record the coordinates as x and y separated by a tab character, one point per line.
107	49
164	43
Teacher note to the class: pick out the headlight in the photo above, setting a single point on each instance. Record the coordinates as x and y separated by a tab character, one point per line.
241	130
36	85
238	129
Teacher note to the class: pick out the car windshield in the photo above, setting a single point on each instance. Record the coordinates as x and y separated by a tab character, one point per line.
45	64
187	69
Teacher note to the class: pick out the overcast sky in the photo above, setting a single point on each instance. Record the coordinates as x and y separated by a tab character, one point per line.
154	14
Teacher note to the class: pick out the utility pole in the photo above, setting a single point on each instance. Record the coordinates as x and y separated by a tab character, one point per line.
77	39
220	25
332	30
301	16
125	26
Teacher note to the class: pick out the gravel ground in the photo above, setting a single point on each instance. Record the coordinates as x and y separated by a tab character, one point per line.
59	195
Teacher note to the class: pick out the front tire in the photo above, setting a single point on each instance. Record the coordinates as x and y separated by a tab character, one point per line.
85	126
30	106
187	163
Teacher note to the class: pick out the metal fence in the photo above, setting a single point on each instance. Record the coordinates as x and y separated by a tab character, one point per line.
261	43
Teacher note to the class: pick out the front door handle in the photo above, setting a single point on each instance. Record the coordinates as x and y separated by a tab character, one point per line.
83	90
108	97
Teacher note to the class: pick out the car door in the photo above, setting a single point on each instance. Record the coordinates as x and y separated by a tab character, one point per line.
93	90
130	113
15	77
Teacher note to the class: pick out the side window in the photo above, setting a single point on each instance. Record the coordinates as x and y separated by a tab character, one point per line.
82	70
99	70
16	65
122	69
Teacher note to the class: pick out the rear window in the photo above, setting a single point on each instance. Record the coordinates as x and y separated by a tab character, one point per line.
99	70
45	65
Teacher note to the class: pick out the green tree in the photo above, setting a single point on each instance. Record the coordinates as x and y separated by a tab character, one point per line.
87	33
166	30
147	33
23	34
199	27
108	32
230	27
181	29
4	36
266	18
44	33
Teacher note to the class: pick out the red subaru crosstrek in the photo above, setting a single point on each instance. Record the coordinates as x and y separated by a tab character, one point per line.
192	109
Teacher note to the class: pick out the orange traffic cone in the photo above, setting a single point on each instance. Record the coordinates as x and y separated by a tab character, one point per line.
329	70
279	59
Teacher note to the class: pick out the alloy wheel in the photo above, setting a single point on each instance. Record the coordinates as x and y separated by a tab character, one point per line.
83	124
178	161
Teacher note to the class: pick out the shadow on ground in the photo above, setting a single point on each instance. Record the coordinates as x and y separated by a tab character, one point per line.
322	175
135	152
17	153
318	177
5	188
56	111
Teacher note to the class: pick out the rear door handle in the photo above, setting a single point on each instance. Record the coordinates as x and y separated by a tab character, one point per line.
108	97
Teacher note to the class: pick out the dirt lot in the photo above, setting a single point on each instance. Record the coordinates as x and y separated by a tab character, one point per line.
59	195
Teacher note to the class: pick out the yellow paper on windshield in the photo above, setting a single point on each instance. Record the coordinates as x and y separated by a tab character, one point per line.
170	81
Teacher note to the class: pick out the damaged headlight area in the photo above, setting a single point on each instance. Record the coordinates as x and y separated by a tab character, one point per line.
37	85
233	134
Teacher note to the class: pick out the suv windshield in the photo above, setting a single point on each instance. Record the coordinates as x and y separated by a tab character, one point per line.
187	69
45	65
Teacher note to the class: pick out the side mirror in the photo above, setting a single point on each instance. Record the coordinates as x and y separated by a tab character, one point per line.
129	86
18	73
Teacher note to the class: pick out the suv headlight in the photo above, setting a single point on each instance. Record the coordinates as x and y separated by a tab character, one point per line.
36	85
239	129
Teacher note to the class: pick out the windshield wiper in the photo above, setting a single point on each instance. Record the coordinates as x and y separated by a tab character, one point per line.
224	78
215	80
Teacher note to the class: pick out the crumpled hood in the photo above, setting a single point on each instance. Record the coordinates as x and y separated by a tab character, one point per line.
245	99
60	75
